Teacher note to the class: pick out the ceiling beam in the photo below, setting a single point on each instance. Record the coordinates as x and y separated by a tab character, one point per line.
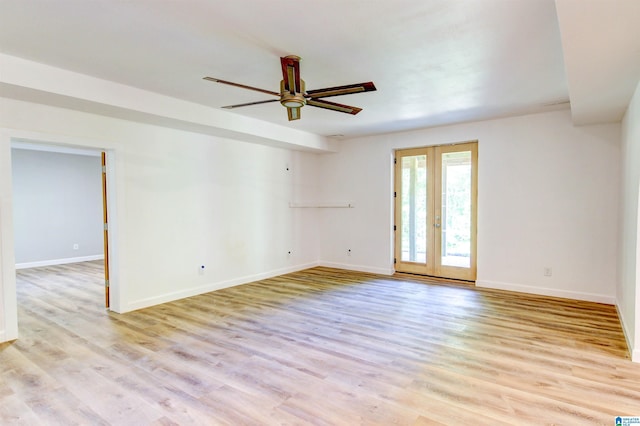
34	82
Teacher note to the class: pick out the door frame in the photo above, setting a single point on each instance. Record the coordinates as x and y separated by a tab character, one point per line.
433	266
9	323
105	227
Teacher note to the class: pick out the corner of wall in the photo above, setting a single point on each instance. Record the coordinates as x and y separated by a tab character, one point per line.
628	287
633	352
8	308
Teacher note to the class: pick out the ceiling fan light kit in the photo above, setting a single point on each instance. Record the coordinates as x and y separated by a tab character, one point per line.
293	95
292	100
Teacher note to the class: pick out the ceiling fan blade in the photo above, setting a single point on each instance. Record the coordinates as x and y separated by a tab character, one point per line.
293	113
249	103
291	73
321	103
341	90
242	86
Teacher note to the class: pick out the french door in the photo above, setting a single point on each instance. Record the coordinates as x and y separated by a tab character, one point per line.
435	210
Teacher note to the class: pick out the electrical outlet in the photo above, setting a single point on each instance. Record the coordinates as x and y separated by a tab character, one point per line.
76	246
547	271
201	270
349	252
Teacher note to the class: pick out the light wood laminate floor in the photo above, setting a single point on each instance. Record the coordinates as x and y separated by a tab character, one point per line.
321	346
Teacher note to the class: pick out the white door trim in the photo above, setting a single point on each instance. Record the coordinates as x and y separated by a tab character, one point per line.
8	300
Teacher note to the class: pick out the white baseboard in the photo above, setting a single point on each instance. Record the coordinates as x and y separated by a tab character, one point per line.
358	268
58	261
6	337
543	291
634	353
177	295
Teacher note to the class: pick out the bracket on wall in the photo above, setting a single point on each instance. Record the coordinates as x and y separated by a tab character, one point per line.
321	205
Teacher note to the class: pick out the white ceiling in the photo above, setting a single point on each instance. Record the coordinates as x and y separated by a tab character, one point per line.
434	62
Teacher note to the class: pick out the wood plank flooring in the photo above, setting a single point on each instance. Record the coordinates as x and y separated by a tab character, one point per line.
321	346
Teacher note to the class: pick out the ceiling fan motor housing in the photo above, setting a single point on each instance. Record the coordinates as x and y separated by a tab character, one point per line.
293	94
292	100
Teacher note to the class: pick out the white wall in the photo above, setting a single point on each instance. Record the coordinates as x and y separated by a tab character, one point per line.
628	291
8	312
547	196
183	200
57	202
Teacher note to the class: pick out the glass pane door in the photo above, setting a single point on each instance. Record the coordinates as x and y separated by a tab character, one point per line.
455	203
435	218
414	209
456	209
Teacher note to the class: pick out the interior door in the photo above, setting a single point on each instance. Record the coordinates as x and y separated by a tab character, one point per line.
435	211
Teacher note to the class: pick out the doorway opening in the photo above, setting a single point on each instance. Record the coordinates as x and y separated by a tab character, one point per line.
435	210
87	247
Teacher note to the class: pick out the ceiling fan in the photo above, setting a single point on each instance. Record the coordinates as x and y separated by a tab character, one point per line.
293	95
